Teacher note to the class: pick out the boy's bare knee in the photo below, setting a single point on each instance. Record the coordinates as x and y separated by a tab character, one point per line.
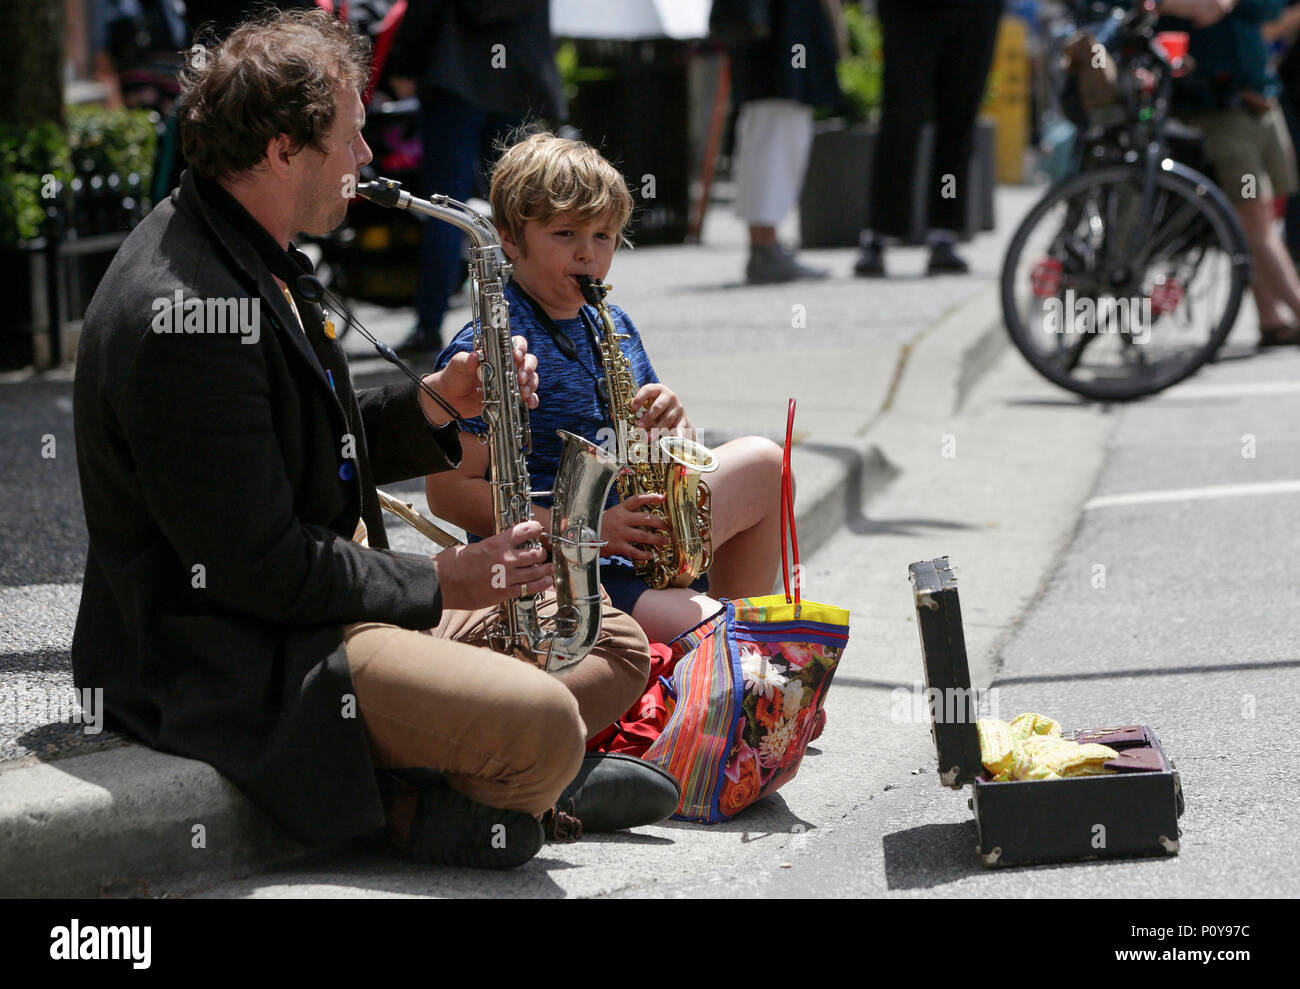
768	457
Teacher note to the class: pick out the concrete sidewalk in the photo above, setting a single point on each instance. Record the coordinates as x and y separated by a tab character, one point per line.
122	820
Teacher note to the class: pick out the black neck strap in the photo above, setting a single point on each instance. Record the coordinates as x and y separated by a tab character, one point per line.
561	339
564	342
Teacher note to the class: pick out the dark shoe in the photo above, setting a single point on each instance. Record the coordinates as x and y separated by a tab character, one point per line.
613	791
434	824
1278	336
871	262
772	263
944	260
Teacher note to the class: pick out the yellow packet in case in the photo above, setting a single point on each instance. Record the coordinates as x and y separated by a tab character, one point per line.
995	744
1086	756
1002	754
1041	773
1089	769
1027	725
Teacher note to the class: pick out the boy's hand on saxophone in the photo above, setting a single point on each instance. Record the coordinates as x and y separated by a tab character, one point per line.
663	409
626	528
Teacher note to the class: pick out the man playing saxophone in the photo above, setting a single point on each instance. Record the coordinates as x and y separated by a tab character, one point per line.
227	611
561	210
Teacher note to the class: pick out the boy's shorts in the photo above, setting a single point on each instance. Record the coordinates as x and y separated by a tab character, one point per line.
618	577
1242	145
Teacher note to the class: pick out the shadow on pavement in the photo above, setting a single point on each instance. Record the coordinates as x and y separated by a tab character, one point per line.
930	855
770	817
1282	664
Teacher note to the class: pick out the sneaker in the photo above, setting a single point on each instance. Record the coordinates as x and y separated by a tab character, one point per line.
871	260
436	825
772	263
944	260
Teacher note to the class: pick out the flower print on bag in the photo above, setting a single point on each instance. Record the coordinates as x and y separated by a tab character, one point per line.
792	698
742	752
743	783
800	654
801	733
771	750
767	710
761	675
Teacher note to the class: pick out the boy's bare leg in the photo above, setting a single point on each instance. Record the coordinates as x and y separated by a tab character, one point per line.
746	518
668	613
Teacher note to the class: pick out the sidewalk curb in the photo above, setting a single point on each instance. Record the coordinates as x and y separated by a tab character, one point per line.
128	820
108	823
950	358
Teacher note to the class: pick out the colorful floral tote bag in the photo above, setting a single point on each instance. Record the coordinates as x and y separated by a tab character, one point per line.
748	688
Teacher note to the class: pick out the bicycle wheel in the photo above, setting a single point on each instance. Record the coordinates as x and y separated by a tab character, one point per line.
1114	306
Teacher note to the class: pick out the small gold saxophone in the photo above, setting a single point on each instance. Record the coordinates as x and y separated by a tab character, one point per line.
673	467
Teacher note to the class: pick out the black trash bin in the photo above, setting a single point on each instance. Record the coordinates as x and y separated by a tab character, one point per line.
633	104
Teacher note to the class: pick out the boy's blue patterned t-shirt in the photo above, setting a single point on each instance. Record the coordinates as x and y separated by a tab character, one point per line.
567	396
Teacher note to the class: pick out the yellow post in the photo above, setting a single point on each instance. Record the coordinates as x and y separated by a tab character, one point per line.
1008	98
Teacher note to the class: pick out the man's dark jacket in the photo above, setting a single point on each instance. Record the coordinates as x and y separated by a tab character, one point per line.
221	494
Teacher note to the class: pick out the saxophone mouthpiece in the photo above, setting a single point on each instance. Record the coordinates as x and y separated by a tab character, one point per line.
592	290
384	192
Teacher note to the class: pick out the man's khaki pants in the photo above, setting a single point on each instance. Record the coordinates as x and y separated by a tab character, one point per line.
504	733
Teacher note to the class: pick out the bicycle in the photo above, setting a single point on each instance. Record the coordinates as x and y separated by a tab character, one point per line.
1128	276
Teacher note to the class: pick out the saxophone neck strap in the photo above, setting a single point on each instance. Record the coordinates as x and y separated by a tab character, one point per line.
564	343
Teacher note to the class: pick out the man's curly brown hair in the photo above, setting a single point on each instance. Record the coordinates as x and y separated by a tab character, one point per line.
274	74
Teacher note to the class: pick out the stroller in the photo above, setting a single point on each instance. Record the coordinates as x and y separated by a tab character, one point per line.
374	256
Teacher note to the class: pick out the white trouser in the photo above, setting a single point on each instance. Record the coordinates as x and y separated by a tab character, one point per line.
773	138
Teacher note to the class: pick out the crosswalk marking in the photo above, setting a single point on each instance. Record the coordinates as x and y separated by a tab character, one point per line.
1234	389
1194	494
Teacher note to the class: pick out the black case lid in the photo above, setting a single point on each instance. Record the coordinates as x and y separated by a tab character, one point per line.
953	705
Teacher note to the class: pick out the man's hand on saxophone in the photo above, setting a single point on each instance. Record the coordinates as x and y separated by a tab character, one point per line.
458	383
486	573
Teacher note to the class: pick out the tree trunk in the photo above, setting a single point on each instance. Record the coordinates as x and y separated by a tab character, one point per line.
31	50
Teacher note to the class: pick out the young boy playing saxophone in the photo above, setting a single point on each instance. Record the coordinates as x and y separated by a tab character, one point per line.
561	210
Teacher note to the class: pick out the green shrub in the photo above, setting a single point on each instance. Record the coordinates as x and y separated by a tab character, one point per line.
861	71
108	142
38	163
35	165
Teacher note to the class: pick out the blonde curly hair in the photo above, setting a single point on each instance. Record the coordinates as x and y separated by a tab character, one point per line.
542	176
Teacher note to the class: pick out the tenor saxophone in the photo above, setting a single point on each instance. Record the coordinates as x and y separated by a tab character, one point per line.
582	480
673	466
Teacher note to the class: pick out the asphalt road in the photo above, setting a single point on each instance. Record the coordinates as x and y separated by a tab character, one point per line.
1193	633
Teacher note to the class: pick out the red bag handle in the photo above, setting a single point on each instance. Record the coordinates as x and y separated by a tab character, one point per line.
787	513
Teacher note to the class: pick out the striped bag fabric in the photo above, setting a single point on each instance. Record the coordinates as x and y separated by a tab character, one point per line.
748	690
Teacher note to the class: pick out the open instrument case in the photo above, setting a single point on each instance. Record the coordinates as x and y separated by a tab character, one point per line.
1133	811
